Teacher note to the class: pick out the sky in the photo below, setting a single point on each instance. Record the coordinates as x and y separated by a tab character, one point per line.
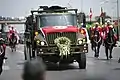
18	8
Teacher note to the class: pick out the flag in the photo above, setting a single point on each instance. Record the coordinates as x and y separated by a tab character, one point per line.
102	13
101	16
90	13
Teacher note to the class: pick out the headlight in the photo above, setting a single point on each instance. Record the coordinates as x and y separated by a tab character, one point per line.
80	42
42	43
38	41
36	33
84	40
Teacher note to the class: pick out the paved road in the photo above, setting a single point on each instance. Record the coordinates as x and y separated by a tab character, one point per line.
97	69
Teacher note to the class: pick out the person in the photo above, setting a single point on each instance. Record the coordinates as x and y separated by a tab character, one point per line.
2	53
107	28
93	30
87	35
34	70
97	28
12	30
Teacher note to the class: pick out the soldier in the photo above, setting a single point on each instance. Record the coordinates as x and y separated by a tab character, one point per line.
94	29
97	28
82	25
107	28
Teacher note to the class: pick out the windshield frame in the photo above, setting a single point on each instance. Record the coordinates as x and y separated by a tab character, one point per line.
55	14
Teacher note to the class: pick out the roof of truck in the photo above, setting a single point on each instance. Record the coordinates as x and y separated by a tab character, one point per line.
55	13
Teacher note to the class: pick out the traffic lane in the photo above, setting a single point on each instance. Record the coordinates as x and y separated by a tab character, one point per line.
13	65
15	57
97	69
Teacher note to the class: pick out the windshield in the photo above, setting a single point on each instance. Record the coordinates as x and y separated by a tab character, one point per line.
58	20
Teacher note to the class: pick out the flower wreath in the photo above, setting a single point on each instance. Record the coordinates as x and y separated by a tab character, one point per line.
63	43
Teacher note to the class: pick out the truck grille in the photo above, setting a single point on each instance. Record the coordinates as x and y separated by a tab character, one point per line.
52	36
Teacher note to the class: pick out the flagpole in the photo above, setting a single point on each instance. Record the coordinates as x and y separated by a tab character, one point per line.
101	15
118	28
81	5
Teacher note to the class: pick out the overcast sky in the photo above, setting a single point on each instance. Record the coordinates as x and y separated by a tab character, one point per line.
17	8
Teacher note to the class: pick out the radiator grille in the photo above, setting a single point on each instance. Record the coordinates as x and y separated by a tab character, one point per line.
52	36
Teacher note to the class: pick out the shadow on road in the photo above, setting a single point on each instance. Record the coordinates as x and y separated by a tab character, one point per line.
56	67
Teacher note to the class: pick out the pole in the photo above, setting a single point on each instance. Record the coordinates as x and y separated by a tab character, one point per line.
81	5
90	21
118	18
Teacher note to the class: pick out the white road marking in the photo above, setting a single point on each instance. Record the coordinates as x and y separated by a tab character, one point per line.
20	51
4	61
90	63
5	67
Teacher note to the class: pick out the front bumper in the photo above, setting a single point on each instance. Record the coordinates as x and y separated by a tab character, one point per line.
53	50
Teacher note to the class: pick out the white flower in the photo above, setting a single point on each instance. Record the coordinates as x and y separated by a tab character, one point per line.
63	43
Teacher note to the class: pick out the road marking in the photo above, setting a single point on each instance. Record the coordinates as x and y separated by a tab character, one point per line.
20	67
5	67
20	51
4	61
90	63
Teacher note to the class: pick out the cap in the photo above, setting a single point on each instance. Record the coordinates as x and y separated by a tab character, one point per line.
108	21
97	23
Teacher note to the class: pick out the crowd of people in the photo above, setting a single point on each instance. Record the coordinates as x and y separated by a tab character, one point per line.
103	29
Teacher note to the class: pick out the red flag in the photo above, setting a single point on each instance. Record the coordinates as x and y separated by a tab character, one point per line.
90	13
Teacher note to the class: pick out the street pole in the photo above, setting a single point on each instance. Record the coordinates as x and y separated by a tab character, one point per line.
118	18
81	5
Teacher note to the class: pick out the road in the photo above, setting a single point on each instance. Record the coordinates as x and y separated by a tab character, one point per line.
97	69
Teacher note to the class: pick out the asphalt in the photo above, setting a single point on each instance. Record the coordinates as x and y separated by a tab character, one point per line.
97	69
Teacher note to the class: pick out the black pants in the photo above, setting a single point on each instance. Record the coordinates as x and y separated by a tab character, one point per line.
1	62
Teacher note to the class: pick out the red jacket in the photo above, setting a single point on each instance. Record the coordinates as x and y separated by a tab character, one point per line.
99	29
106	30
10	32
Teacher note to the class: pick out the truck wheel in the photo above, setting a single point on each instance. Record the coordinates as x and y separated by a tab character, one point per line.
25	52
82	61
1	70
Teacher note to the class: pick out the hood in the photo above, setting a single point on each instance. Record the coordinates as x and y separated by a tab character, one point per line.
52	29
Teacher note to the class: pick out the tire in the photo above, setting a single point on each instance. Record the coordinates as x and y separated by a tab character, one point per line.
12	50
82	61
25	52
119	60
1	70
